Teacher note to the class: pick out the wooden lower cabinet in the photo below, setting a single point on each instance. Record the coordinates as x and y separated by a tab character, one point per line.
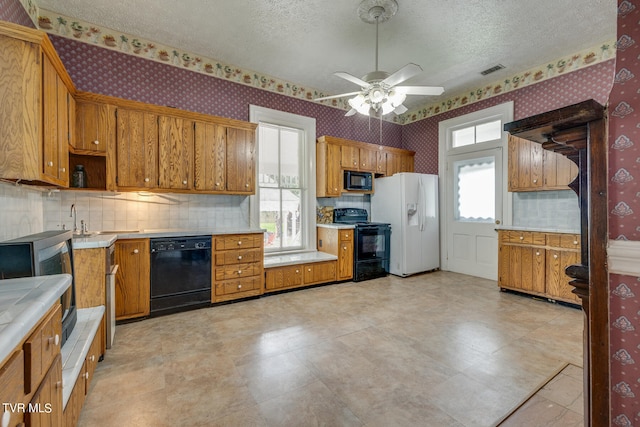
338	242
534	263
237	270
46	405
296	276
12	388
132	278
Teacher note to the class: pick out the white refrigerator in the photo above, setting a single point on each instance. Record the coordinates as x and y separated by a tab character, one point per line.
409	202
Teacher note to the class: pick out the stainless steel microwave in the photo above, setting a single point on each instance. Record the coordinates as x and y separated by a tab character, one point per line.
360	181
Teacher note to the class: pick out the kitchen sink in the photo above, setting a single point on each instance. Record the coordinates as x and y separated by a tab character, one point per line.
98	233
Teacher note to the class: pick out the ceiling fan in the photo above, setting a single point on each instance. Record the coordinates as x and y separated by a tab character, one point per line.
379	93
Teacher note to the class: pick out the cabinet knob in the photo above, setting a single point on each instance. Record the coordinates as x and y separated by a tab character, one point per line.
135	251
346	236
58	385
92	358
344	248
521	237
239	286
297	271
86	375
239	271
535	181
96	142
217	184
49	164
335	189
355	163
184	182
555	256
63	170
364	164
239	256
55	340
246	185
575	242
146	180
537	253
309	269
239	242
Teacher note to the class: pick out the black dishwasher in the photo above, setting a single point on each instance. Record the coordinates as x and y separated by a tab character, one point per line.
180	274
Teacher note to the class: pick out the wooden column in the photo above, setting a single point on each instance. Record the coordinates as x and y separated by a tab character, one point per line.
579	132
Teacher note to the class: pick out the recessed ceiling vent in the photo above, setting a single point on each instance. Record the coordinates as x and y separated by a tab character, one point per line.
492	69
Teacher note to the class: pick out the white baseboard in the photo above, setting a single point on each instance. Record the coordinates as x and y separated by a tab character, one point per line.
624	257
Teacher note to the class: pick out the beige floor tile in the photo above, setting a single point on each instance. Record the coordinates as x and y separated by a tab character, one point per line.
540	412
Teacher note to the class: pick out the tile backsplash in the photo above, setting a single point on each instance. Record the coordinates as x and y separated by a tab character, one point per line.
20	211
145	211
547	209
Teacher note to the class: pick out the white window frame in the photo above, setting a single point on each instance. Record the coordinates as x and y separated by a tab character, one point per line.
259	115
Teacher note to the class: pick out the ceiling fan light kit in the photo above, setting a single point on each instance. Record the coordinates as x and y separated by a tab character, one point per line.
379	94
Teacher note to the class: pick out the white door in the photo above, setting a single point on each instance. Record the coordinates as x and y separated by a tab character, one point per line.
473	199
474	205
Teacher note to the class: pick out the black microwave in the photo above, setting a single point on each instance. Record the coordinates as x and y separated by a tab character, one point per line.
360	181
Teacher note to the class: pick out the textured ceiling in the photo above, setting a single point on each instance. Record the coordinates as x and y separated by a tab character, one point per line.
305	41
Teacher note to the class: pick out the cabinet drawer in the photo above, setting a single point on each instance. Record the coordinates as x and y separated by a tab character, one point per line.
284	277
238	257
41	348
237	271
565	241
525	237
12	387
346	235
240	285
239	241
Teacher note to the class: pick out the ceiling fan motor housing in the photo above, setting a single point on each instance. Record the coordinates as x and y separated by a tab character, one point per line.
377	11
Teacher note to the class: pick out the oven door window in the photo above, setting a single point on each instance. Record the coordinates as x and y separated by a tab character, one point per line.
371	245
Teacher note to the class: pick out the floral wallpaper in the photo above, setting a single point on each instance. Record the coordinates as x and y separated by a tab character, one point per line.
624	218
64	26
12	11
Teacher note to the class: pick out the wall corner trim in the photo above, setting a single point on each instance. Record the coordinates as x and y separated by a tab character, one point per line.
624	257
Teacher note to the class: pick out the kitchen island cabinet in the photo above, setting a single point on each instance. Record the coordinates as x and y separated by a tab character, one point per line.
534	263
132	278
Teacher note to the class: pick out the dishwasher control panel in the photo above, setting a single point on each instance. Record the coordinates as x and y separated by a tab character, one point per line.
180	244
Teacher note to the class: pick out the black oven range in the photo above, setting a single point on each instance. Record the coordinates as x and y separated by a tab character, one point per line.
371	244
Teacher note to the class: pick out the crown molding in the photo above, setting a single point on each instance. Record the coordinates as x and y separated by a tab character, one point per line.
624	257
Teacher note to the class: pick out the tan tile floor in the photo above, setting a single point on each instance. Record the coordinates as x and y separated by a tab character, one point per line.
438	349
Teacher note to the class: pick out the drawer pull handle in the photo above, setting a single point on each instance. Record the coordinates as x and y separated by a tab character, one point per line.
239	286
239	256
96	142
136	251
55	340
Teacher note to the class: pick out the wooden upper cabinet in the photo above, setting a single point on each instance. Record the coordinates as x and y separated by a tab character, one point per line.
34	115
381	162
175	153
328	173
55	110
95	127
240	161
350	158
210	157
533	169
137	149
368	159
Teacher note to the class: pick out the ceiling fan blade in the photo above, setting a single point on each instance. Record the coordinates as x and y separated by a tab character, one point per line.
352	79
403	74
420	90
400	109
342	95
351	112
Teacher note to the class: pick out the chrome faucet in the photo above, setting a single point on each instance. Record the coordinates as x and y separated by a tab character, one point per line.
74	215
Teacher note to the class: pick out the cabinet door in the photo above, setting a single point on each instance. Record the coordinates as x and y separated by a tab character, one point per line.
320	272
525	165
46	404
55	135
95	125
132	278
12	388
558	171
350	157
394	163
345	255
210	157
368	160
137	149
240	161
381	162
557	281
522	267
283	277
175	153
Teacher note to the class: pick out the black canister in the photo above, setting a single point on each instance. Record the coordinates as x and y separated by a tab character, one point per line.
79	177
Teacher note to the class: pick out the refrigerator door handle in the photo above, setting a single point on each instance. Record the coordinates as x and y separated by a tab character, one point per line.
421	204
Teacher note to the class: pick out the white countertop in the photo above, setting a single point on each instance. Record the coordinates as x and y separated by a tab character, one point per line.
106	240
540	230
337	226
299	258
23	302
